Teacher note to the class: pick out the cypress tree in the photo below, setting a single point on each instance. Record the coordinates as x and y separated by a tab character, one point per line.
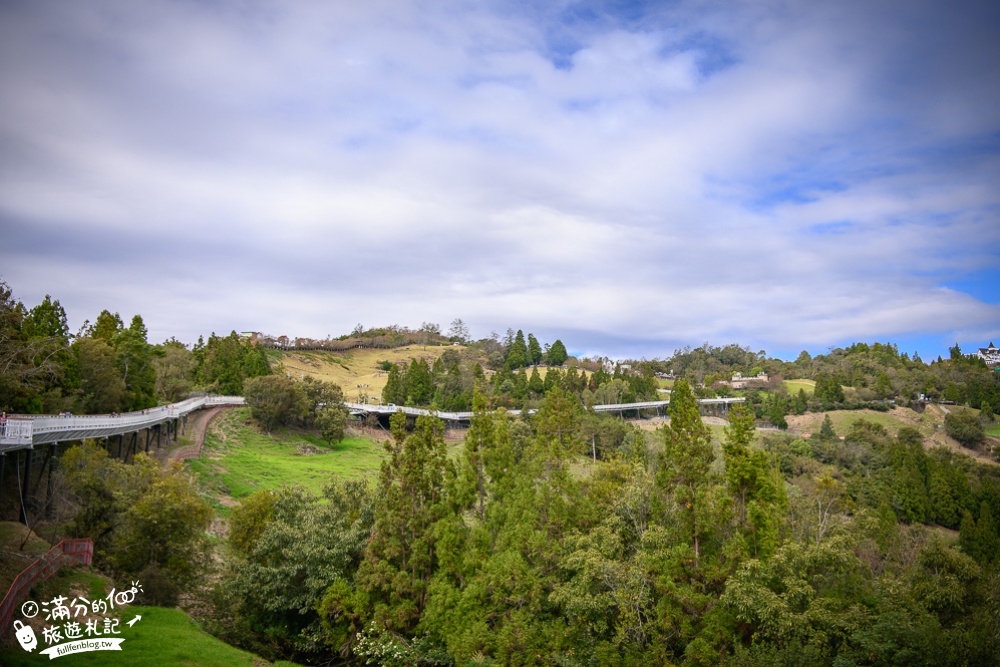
558	354
826	431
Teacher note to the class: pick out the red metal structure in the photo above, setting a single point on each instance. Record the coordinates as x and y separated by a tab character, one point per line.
67	552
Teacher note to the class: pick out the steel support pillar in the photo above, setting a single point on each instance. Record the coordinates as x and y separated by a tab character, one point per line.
53	448
25	489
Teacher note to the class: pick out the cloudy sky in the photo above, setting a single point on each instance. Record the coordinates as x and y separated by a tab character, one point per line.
631	177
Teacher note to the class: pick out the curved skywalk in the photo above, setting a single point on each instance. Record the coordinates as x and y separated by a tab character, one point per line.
25	431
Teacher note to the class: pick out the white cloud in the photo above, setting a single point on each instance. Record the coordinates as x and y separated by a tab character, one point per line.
319	165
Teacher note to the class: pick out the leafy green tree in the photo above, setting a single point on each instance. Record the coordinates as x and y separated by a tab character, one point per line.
979	539
291	547
332	422
174	365
248	520
147	522
319	395
272	399
225	362
33	357
535	384
163	536
394	392
134	359
101	387
47	320
776	411
107	327
828	389
965	427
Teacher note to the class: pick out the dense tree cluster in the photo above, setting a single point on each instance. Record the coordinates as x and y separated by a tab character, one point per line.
449	384
278	400
670	550
107	366
147	522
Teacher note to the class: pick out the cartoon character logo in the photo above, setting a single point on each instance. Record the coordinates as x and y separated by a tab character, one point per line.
26	636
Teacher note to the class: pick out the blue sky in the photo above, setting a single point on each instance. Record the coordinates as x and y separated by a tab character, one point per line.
632	177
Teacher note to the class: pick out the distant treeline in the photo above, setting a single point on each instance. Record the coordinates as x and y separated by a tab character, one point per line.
107	366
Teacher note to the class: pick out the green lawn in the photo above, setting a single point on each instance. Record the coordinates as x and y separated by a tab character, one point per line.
238	460
842	420
793	386
994	430
161	638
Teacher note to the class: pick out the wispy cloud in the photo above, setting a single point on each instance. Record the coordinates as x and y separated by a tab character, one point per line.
641	176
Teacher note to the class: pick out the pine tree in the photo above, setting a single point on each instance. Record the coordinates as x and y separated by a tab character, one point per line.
517	353
534	350
801	402
535	384
986	535
826	431
968	536
685	462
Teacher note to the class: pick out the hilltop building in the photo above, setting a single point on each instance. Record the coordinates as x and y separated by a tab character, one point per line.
991	355
740	382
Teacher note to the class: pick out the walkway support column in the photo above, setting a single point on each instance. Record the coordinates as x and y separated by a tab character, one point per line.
25	489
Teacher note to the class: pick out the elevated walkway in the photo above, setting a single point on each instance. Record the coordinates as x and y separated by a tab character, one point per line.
368	408
26	431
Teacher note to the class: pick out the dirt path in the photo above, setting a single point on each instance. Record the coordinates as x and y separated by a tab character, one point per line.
197	426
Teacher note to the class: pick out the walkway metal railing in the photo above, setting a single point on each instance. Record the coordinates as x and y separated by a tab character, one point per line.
19	431
466	416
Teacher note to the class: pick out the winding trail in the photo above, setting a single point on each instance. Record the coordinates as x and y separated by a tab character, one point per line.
197	427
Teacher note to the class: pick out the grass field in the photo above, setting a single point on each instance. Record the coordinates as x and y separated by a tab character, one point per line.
994	431
161	638
356	367
362	366
793	386
926	422
237	459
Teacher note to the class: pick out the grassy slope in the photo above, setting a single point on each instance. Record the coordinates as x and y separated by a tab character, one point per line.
926	422
238	459
793	386
13	557
358	366
361	366
162	638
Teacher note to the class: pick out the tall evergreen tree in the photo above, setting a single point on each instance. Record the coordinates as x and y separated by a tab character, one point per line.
685	462
517	353
557	354
534	350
